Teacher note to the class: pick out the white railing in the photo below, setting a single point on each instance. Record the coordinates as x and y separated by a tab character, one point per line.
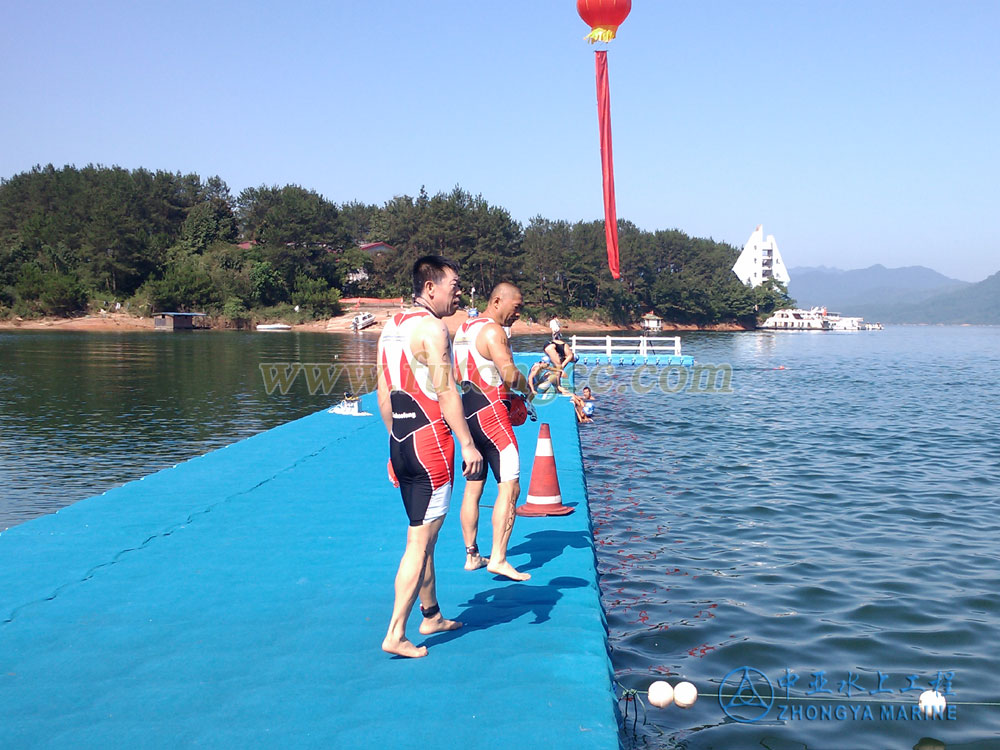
642	346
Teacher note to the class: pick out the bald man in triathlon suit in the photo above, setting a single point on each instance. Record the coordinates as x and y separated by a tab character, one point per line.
486	373
419	402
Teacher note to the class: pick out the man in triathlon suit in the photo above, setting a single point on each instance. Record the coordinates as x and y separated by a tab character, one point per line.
486	373
419	402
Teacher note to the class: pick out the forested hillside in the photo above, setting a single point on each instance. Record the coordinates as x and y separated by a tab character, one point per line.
914	294
975	304
876	290
74	238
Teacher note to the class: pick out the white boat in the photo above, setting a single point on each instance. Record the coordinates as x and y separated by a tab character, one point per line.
796	320
840	322
273	327
363	320
816	319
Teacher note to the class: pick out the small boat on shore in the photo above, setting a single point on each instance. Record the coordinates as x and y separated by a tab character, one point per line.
362	321
273	327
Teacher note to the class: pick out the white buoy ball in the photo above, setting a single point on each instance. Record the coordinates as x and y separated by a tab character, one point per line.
685	694
931	702
661	694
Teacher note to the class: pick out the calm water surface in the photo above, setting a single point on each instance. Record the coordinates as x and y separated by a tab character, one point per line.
82	412
833	525
835	521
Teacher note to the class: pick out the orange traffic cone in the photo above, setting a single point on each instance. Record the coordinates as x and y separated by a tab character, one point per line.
544	497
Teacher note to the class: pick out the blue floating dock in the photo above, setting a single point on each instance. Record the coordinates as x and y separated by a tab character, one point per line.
638	360
240	599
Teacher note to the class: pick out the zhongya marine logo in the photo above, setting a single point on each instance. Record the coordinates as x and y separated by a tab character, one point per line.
746	695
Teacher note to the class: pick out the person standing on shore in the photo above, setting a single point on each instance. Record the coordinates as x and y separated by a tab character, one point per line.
419	402
486	374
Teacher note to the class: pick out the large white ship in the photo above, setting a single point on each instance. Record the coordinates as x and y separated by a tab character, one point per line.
816	319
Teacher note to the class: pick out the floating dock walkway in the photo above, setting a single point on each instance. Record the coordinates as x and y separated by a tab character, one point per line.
240	599
630	350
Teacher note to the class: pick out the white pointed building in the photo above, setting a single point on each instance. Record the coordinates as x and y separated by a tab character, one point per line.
760	260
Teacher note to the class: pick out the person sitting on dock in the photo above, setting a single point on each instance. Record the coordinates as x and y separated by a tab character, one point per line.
486	374
542	377
419	402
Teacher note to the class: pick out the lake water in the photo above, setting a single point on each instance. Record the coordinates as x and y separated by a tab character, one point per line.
830	524
82	412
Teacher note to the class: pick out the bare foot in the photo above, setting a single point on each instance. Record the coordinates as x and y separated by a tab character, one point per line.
475	562
437	624
403	647
507	570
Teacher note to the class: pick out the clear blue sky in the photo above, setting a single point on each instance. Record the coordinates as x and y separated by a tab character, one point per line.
855	132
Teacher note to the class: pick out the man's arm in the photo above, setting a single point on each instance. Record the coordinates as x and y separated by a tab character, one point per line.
531	376
384	402
498	351
433	343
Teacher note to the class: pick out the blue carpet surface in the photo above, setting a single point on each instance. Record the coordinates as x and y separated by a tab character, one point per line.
240	599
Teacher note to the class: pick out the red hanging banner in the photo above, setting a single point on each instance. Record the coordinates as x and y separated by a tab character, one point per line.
607	162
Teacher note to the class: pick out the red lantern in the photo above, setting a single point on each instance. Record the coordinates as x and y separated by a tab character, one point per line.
603	17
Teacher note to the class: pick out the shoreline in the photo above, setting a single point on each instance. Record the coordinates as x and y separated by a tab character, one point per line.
123	322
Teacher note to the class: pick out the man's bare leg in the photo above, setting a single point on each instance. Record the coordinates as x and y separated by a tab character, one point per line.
428	599
503	525
554	378
409	580
470	523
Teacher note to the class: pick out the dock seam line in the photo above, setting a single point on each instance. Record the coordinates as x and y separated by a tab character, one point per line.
92	571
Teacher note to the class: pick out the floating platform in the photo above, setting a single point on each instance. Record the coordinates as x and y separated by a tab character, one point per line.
659	351
684	360
240	599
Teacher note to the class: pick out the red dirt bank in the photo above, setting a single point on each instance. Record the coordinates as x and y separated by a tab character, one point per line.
341	324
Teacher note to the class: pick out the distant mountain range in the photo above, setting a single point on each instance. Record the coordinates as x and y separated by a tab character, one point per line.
913	294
